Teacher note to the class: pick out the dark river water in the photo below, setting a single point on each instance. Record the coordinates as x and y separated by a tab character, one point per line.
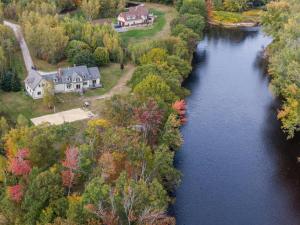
238	168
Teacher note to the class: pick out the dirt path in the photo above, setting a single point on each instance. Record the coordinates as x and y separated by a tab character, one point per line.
24	48
170	14
120	88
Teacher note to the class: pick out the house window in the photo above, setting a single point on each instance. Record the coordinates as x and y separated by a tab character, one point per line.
69	79
78	86
94	82
39	93
69	86
85	83
77	79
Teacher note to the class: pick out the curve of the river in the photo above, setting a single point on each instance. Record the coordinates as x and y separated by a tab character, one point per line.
238	168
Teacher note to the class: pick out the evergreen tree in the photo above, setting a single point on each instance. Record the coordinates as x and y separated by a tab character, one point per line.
15	83
6	81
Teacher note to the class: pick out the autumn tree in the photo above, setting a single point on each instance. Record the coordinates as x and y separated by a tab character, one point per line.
22	121
155	87
43	194
155	55
90	8
236	5
275	17
119	110
209	9
19	165
171	135
180	107
48	95
71	165
149	116
42	45
4	127
121	5
16	193
101	56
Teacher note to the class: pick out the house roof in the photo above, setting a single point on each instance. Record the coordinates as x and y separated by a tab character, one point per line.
135	13
33	79
63	75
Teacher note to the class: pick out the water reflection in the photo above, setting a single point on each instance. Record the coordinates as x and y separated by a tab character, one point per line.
238	167
232	35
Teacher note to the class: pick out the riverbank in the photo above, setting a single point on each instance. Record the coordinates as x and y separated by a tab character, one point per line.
250	18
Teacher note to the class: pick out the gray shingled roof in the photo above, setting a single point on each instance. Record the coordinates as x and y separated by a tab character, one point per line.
63	75
33	79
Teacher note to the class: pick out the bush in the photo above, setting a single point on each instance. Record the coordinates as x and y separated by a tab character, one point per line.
193	7
194	22
236	5
84	57
101	56
74	47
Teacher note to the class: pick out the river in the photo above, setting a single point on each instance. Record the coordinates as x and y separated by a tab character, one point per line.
238	168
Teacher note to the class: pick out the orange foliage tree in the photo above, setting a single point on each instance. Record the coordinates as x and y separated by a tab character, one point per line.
180	107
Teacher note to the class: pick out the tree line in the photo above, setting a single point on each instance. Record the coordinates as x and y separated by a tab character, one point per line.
9	77
281	21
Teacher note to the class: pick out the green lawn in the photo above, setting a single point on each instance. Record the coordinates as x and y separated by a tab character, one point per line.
137	34
109	77
14	103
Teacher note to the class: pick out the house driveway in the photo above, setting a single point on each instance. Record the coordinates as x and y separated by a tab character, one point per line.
63	117
24	48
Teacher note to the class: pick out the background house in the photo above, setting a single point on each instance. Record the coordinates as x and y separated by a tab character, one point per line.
71	79
138	15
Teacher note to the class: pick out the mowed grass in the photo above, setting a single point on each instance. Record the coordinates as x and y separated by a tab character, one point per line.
144	32
109	78
13	104
235	17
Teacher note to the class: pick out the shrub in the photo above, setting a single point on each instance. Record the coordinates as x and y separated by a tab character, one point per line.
101	56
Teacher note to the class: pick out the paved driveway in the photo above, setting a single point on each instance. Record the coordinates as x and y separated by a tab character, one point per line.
62	117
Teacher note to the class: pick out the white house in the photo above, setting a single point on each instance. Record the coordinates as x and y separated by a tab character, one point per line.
138	15
71	79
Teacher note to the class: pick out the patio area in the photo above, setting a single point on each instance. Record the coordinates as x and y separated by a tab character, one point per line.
63	117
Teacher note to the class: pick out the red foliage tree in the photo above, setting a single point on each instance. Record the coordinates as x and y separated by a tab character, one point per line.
19	165
180	107
15	193
71	163
150	117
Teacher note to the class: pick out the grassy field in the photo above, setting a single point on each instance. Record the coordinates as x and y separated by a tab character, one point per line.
137	34
14	103
233	17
